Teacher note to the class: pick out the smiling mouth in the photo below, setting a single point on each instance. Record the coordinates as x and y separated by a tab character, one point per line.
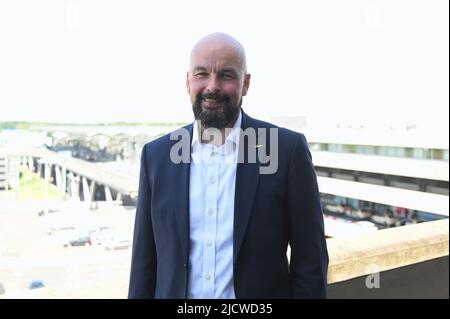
211	103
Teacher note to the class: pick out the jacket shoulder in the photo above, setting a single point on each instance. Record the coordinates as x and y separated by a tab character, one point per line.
284	134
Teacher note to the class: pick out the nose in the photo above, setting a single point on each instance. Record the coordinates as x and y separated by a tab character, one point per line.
213	84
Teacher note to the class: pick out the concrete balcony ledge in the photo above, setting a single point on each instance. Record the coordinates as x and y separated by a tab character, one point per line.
413	251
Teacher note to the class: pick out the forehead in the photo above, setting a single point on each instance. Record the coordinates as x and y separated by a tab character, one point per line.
216	56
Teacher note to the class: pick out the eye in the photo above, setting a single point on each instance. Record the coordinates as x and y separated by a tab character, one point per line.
201	74
227	76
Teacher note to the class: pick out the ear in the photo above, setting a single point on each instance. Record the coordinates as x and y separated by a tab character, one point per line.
188	87
246	84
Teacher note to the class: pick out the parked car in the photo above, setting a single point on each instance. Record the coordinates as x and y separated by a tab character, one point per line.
109	238
100	235
36	284
60	222
80	241
117	242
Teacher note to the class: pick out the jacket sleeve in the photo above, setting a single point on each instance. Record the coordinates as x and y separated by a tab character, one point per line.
309	256
143	261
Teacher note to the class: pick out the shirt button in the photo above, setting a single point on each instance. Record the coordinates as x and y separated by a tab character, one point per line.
208	277
212	180
209	243
210	212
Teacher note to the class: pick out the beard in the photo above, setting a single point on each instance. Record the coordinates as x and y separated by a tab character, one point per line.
213	118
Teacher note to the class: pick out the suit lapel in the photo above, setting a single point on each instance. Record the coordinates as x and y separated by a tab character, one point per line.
247	175
181	191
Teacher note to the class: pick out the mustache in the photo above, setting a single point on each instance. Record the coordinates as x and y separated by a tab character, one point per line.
213	96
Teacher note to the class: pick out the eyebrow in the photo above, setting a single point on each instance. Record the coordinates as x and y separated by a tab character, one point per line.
224	70
228	70
198	68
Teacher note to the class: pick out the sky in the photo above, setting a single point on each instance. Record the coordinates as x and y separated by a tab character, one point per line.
103	61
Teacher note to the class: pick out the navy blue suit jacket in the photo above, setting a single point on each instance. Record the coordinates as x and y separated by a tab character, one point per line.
271	211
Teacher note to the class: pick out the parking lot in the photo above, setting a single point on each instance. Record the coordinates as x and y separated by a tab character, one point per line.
29	254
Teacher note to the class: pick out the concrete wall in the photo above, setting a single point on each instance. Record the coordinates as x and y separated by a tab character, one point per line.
428	279
402	262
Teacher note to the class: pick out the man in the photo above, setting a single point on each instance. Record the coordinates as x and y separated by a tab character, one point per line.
217	224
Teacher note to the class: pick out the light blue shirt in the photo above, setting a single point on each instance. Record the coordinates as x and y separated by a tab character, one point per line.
211	214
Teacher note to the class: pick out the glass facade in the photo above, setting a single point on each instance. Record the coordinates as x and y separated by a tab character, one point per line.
404	152
381	215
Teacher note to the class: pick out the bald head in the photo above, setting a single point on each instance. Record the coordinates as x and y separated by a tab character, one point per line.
216	43
217	80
